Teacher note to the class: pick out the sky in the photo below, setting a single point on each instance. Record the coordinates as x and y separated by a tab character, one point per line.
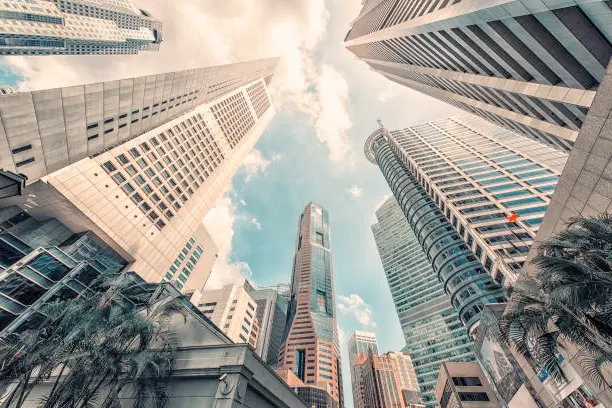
327	104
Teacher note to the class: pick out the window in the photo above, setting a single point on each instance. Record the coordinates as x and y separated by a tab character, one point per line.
473	396
92	126
22	149
319	238
467	381
109	167
300	363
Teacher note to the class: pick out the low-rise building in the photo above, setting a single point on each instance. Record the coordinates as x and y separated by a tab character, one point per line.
464	385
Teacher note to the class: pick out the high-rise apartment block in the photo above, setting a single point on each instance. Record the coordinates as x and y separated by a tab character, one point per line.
271	317
359	343
431	326
41	261
380	377
464	385
140	161
532	67
311	347
232	310
45	27
478	175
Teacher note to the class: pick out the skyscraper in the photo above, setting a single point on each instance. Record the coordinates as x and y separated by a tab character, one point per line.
478	174
431	327
379	376
41	261
359	342
462	275
272	316
44	131
311	347
146	159
530	67
43	27
232	310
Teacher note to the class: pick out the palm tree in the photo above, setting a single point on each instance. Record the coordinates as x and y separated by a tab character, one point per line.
568	298
113	337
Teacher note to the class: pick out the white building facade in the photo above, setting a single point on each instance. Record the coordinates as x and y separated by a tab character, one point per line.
232	310
147	194
76	27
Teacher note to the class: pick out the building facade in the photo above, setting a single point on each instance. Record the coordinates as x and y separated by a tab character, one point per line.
431	326
271	316
405	370
380	379
310	346
233	311
359	342
479	174
41	261
76	27
530	67
45	131
146	187
463	385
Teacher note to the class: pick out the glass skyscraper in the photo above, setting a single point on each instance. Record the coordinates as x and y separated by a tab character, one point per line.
529	66
478	174
463	277
431	327
310	346
77	27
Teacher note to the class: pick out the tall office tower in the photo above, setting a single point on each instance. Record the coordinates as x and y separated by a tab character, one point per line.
140	161
479	175
41	261
379	376
271	316
532	67
464	385
46	27
359	342
232	310
431	327
311	347
405	370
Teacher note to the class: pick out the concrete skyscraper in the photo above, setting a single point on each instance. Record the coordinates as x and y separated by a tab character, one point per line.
478	175
45	27
140	161
311	349
359	342
272	316
532	67
431	327
463	277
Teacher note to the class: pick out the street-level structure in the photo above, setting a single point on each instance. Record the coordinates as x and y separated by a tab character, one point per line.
532	67
431	326
140	161
311	348
76	27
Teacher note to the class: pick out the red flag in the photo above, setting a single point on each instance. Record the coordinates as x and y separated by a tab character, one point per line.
512	217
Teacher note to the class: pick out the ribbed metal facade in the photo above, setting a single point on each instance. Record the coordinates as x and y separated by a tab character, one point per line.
530	66
463	277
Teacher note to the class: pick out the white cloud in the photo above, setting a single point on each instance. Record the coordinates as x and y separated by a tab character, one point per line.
355	306
207	32
253	164
355	191
220	224
391	91
255	223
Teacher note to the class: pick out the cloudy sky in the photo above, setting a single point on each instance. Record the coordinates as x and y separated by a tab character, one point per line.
327	104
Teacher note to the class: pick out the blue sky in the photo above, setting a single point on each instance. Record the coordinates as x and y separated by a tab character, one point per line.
327	104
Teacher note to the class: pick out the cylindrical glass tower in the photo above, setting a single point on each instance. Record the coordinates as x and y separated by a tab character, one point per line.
462	275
